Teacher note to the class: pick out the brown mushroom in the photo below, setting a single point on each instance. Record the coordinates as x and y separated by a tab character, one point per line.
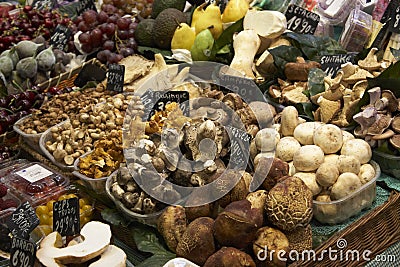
298	71
395	141
388	133
396	124
370	62
380	125
328	109
388	101
374	95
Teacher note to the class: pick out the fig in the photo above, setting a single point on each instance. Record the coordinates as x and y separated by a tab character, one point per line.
229	257
11	53
237	225
27	67
269	246
197	243
172	224
46	59
26	49
6	65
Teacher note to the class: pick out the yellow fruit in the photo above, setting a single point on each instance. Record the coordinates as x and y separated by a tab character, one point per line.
50	205
235	10
71	196
83	201
46	229
84	220
42	210
183	37
44	219
62	197
209	18
87	210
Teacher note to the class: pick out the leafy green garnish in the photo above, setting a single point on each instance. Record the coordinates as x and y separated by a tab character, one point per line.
146	240
305	109
282	55
313	47
226	37
315	82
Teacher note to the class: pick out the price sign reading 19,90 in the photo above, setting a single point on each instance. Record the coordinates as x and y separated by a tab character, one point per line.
301	20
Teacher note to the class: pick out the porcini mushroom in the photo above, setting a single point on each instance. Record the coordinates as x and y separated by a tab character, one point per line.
387	102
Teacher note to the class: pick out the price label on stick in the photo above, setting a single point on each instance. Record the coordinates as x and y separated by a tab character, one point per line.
157	101
22	253
43	4
23	220
301	20
85	5
66	217
60	37
331	64
115	78
394	25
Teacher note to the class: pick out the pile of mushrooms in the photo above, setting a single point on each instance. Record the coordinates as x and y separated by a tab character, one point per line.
379	120
330	161
342	93
69	140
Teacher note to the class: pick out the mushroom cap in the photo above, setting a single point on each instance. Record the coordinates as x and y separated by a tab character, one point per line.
380	125
308	158
395	141
329	138
289	204
396	124
358	148
392	104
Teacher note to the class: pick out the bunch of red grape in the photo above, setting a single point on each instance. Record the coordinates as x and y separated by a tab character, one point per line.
28	23
108	32
143	7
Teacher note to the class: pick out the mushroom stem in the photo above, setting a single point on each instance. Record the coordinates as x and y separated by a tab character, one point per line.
374	95
366	118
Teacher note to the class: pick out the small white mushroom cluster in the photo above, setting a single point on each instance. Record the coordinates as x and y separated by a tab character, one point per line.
330	161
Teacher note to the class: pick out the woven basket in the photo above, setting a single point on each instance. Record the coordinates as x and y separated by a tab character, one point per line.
375	232
67	79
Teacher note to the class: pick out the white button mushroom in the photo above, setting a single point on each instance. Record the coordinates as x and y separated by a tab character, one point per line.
346	184
367	173
329	138
347	136
304	132
332	159
286	148
309	179
266	139
348	164
357	148
327	174
308	158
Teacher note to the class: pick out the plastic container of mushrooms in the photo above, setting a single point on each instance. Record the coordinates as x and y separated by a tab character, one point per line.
96	184
46	137
31	139
337	211
122	205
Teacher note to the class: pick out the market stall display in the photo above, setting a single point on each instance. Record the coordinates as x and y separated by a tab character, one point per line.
206	134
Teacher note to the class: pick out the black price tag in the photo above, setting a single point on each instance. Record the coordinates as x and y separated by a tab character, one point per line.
22	253
240	146
66	217
331	64
115	78
85	5
244	87
60	37
394	25
301	20
43	4
23	220
157	100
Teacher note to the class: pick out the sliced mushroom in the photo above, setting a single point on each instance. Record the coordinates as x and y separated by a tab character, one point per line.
328	109
370	62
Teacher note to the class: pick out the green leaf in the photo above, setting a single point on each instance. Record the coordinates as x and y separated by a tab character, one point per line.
313	47
316	82
114	217
389	79
146	240
157	260
226	37
395	53
149	52
306	110
282	55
